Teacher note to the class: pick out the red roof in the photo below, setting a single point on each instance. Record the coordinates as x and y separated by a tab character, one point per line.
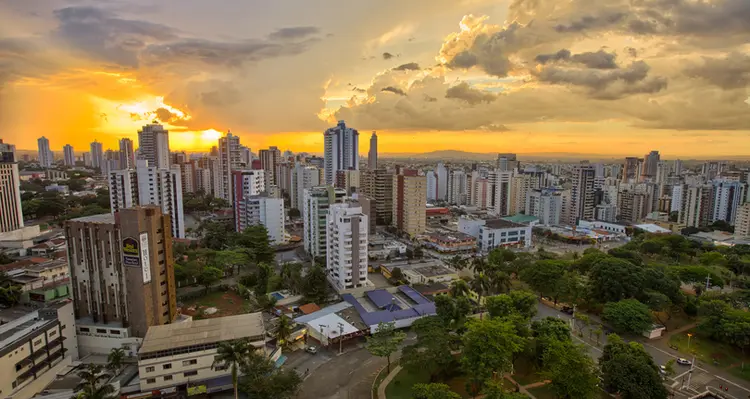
309	308
438	211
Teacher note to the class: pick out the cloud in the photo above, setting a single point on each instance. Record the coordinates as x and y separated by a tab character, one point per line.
472	96
591	22
606	84
494	128
412	66
294	33
358	90
165	116
598	60
387	56
429	98
394	90
729	72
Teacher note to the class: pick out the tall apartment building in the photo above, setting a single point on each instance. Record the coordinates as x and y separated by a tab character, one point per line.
728	196
378	186
122	274
650	165
742	223
372	156
632	206
247	183
457	187
317	200
712	169
46	158
127	155
153	145
147	185
97	154
261	210
696	208
303	177
432	185
341	151
503	187
582	194
631	169
268	160
368	208
346	246
230	159
507	162
69	156
283	175
409	203
349	180
11	215
246	156
441	173
545	204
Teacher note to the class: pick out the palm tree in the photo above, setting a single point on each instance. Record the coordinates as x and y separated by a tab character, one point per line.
94	384
500	281
460	288
480	285
283	331
115	359
479	264
457	262
10	295
232	355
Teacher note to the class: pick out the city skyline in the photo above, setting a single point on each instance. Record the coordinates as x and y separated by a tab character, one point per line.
603	79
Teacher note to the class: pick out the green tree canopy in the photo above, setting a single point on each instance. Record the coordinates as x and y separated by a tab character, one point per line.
489	346
573	373
628	369
433	391
628	316
384	341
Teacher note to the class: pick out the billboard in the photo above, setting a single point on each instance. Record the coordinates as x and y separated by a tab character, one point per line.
146	263
131	256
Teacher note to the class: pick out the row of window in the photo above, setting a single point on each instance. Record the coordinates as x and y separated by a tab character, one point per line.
167	366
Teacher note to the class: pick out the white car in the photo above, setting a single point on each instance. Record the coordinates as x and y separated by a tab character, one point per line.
311	349
683	361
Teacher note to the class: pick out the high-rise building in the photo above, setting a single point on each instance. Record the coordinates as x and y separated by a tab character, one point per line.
650	165
87	159
432	185
632	206
246	156
230	159
46	158
122	272
303	177
341	151
317	200
268	160
506	162
283	175
11	215
378	186
503	197
368	208
545	204
346	246
146	185
127	155
442	182
582	194
261	210
246	184
97	155
348	180
631	169
742	223
409	203
710	170
728	195
696	207
372	156
69	156
153	145
457	187
677	167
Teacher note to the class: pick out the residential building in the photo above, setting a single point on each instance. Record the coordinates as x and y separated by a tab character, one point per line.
126	154
441	173
450	242
368	208
46	158
69	156
372	156
303	177
742	223
122	276
341	151
183	355
712	169
247	183
268	160
378	185
153	145
230	159
261	210
457	187
545	204
632	206
86	159
409	203
347	230
727	198
97	154
432	185
316	202
503	198
582	194
631	169
348	180
283	175
147	185
507	162
494	233
650	165
696	208
11	215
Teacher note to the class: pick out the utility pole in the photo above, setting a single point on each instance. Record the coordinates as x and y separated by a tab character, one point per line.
341	336
708	280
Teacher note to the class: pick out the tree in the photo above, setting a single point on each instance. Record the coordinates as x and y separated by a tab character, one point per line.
457	262
460	288
397	276
115	359
489	346
629	370
433	391
315	285
628	316
94	383
572	371
232	355
5	259
522	303
547	332
10	295
283	331
384	341
255	240
453	311
669	367
431	352
291	277
614	279
481	285
657	302
209	276
261	379
544	277
216	235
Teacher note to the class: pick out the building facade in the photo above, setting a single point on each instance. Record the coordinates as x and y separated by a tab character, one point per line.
316	202
69	156
372	156
303	177
545	204
696	208
153	145
742	224
11	214
268	160
409	203
261	210
126	154
341	151
97	154
230	160
378	186
46	158
346	246
582	194
727	198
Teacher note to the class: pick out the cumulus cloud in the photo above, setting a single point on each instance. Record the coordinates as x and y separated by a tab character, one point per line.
394	90
412	66
472	96
606	84
729	72
296	32
598	60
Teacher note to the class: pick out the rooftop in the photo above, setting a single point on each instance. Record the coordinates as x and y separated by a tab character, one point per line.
521	218
502	224
453	236
104	218
198	332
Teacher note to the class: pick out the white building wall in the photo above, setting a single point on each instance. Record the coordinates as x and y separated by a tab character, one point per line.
266	211
442	182
347	243
341	151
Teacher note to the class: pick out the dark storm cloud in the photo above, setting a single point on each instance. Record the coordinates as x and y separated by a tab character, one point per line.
729	72
20	58
293	33
606	84
562	55
472	96
591	22
387	56
464	60
165	115
429	98
598	60
412	66
394	90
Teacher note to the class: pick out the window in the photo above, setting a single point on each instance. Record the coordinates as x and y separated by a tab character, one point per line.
189	362
38	342
166	366
151	381
190	373
117	332
167	378
150	369
101	330
53	333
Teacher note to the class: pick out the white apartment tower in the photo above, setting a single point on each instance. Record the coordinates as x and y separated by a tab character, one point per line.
268	160
695	208
341	151
263	210
127	155
582	194
742	223
457	187
432	185
442	182
303	177
97	155
504	199
146	185
46	158
153	145
11	216
546	205
346	246
69	156
317	200
728	196
230	159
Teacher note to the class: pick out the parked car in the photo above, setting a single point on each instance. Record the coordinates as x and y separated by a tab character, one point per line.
311	349
683	361
567	309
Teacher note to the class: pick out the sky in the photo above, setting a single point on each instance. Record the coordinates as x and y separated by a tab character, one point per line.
610	77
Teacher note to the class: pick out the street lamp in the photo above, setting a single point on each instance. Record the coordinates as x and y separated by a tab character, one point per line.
341	335
690	335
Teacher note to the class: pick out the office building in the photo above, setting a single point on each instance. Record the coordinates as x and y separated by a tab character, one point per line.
341	151
316	202
346	246
303	177
650	165
268	160
582	194
69	156
742	223
97	155
126	154
165	362
11	215
378	186
631	169
230	159
506	162
696	208
261	210
728	195
122	274
546	205
153	145
494	233
441	172
372	156
147	185
409	203
46	158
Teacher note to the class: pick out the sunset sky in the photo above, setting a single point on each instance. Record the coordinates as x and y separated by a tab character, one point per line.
611	77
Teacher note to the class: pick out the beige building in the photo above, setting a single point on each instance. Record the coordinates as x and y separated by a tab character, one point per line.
182	354
410	203
378	186
11	216
122	274
742	223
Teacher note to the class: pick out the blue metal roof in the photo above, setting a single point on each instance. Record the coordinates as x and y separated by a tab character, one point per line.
388	315
382	299
415	296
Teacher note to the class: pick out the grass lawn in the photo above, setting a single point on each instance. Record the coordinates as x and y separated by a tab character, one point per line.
228	304
400	386
707	351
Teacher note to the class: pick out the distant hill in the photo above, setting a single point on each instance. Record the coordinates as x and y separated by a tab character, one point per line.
541	156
